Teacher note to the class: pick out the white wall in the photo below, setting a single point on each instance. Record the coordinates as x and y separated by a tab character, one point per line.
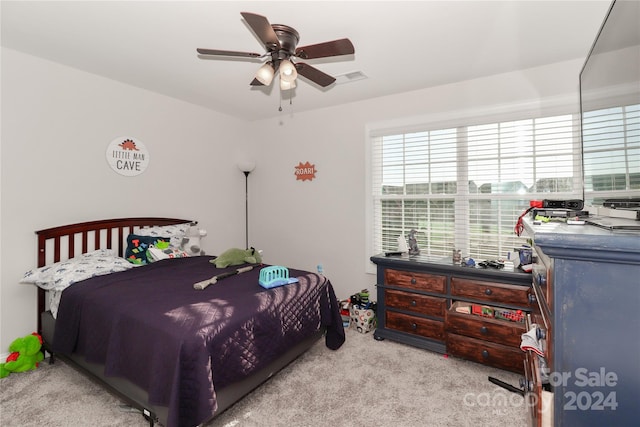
304	223
56	125
57	122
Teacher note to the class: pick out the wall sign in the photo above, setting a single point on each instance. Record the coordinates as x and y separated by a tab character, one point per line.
305	171
127	156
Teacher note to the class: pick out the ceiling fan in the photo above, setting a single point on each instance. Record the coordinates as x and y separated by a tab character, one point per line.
280	43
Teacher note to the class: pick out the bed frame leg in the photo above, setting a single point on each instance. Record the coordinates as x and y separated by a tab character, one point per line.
147	415
45	349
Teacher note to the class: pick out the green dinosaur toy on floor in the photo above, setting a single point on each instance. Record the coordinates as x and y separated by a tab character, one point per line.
25	355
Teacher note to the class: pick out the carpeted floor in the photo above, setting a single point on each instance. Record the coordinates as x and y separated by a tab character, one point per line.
365	383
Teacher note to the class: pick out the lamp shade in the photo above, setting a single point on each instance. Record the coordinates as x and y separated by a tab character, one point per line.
288	71
265	73
246	166
285	85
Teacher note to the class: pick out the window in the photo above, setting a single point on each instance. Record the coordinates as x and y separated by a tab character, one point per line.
611	143
464	187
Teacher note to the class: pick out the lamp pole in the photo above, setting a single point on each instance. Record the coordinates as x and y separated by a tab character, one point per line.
246	168
246	208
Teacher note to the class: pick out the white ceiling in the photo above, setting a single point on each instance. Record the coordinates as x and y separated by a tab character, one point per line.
399	46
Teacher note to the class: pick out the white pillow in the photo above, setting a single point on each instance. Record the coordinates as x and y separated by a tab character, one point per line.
176	232
61	275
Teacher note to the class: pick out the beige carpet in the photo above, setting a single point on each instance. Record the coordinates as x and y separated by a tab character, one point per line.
365	383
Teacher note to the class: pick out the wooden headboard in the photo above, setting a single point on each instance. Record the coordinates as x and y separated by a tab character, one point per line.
64	242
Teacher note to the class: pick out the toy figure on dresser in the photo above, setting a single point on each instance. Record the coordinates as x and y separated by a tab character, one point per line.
413	243
402	244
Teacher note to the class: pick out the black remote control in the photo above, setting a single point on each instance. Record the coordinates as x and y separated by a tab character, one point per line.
393	253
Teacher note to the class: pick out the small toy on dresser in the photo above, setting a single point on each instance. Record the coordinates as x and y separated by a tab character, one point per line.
25	355
413	243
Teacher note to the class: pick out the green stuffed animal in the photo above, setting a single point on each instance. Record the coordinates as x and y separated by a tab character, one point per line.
25	355
235	256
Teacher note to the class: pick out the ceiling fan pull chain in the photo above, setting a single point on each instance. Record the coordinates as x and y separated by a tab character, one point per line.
280	95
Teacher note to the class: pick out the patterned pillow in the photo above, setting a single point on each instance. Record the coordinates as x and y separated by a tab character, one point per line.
138	246
171	252
63	274
54	302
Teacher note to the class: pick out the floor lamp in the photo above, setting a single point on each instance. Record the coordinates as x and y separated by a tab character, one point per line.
246	168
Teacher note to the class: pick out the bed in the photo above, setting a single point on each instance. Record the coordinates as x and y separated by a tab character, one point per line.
179	355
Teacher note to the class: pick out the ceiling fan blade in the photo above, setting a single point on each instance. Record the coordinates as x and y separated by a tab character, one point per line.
326	49
255	82
314	75
261	26
228	53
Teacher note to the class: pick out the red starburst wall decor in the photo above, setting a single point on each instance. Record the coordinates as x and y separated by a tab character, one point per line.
305	171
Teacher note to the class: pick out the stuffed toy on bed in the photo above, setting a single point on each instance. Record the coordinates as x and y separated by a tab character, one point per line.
25	355
235	256
191	241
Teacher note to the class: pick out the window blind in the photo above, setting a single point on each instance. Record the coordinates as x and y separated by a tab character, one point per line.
611	142
464	187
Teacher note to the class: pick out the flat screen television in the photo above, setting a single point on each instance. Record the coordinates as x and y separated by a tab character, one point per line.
610	108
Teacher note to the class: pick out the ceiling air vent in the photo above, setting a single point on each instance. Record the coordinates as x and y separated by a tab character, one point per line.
350	77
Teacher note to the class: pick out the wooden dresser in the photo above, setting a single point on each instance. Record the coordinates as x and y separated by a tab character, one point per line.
426	302
587	283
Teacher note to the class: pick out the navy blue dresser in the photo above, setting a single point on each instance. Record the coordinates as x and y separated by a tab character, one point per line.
587	285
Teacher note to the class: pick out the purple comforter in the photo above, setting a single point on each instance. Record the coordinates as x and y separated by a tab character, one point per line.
149	325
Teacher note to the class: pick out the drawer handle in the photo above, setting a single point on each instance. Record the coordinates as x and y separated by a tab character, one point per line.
485	354
487	291
413	303
484	330
413	281
532	298
526	385
541	334
414	326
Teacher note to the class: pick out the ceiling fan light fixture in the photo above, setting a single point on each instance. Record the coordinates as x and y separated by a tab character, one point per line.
288	71
281	45
285	85
265	73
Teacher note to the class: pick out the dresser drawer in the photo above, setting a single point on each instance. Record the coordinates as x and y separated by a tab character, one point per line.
542	277
423	304
489	291
417	281
415	325
537	399
545	335
498	331
487	353
533	391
